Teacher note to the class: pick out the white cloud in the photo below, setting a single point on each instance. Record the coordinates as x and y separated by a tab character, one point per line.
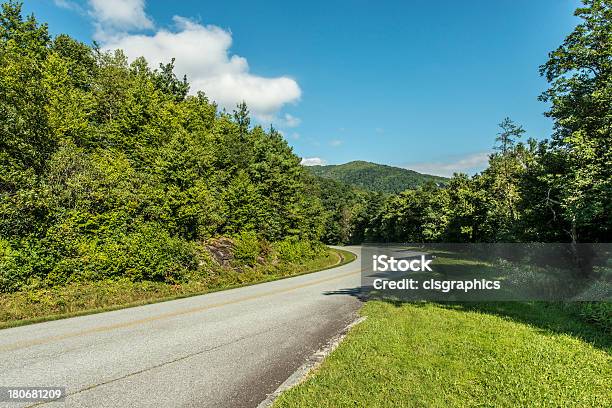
335	142
68	4
470	163
202	53
313	161
291	121
114	17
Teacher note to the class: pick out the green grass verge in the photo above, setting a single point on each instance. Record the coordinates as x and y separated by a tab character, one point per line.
29	307
428	355
496	354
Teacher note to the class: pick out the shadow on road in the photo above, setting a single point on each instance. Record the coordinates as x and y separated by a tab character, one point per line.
355	292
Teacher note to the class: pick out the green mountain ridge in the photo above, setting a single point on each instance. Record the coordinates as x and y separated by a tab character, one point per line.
375	177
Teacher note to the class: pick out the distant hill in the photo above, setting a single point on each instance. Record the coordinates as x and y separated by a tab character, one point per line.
375	177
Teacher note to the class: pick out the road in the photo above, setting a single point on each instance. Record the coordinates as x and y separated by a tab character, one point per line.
224	349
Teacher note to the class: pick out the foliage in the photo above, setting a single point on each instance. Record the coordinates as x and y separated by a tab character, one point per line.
346	211
580	75
292	250
246	248
37	304
596	313
110	169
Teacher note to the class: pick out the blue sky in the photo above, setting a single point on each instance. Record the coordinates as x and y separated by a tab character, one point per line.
417	84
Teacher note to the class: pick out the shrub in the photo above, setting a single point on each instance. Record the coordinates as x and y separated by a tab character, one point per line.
293	250
148	253
153	254
246	248
10	274
596	313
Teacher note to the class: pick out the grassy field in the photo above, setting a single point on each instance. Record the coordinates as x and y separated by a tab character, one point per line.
93	297
497	354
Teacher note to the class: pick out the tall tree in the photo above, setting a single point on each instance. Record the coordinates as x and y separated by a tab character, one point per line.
165	80
24	142
508	135
241	116
504	166
580	76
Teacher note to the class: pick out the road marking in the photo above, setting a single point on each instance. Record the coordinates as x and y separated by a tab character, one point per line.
44	340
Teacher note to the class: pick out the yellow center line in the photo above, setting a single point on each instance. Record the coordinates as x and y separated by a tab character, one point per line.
44	340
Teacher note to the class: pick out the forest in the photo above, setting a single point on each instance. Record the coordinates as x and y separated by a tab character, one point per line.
375	177
112	169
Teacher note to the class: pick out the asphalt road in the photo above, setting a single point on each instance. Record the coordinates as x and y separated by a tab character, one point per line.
224	349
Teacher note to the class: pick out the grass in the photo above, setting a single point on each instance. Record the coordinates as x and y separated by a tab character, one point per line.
28	307
429	355
496	354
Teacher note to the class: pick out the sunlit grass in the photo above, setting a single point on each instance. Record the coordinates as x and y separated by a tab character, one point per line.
427	355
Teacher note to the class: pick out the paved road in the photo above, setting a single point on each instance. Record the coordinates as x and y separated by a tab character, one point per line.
224	349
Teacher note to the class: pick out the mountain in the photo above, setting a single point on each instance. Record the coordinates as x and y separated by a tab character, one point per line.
375	177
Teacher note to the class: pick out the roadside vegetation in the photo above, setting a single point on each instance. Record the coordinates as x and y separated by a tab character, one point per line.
75	299
460	355
111	172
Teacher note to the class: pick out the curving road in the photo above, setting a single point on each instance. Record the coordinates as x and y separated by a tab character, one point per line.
224	349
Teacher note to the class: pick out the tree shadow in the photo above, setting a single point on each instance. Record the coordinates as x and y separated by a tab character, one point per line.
548	317
359	292
551	317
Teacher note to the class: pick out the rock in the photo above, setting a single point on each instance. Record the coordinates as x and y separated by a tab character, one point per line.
222	250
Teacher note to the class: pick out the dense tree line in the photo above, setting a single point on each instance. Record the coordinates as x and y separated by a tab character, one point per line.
557	190
110	168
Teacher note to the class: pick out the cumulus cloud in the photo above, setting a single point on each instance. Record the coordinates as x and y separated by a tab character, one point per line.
202	53
313	161
114	18
470	164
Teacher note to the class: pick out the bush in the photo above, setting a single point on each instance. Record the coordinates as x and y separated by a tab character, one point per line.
23	263
246	248
595	313
148	253
10	274
293	250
